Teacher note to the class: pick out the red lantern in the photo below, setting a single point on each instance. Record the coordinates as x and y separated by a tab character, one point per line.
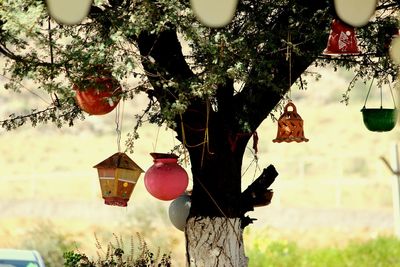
165	180
342	40
100	97
290	126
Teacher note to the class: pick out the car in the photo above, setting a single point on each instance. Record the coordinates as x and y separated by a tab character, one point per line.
20	258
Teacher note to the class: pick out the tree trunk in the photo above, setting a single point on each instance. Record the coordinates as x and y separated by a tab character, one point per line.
214	241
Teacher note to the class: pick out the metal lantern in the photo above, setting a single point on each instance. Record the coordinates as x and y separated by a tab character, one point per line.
342	40
100	97
165	179
290	126
179	211
118	175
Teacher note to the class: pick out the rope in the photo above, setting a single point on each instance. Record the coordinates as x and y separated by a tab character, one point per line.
206	141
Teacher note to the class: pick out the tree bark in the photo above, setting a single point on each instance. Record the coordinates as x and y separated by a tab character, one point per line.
214	242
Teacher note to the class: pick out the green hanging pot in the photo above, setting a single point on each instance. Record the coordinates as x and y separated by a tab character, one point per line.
379	119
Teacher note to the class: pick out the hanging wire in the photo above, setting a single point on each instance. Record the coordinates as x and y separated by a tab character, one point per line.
369	91
119	116
391	92
56	102
289	59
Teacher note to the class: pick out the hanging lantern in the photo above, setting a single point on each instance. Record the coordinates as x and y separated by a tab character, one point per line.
118	175
179	211
165	180
100	97
290	126
342	40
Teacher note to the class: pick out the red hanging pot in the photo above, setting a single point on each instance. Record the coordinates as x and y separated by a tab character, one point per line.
165	180
100	97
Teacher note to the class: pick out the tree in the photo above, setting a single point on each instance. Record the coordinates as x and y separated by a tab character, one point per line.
214	96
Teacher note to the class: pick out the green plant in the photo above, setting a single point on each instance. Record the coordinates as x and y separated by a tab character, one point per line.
115	256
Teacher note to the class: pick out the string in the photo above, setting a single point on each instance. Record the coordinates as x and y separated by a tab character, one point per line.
289	59
118	123
206	141
51	60
391	92
369	90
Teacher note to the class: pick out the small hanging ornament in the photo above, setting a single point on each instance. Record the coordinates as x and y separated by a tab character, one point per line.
394	50
100	97
379	119
342	40
355	12
290	126
215	14
118	175
179	211
69	12
165	179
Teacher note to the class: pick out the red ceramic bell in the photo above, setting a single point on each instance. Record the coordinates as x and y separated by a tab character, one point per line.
166	180
100	97
342	40
290	126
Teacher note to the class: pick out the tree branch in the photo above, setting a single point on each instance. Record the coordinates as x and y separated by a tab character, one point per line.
258	193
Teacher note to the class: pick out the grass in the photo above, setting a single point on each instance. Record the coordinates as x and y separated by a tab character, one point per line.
379	252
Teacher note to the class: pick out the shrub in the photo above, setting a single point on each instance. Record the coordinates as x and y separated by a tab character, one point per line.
115	256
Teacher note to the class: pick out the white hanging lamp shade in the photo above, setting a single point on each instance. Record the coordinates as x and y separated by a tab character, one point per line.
394	51
214	13
69	12
355	12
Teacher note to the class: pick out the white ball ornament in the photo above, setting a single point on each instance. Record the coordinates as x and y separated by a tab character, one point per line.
69	12
179	211
355	12
214	13
394	51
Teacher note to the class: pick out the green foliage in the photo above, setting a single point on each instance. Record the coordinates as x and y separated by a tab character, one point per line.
249	50
115	255
379	252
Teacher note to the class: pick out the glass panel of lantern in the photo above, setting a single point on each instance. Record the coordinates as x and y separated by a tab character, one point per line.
290	126
342	40
118	176
165	179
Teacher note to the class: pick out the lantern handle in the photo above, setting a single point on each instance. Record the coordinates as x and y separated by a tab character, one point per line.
290	104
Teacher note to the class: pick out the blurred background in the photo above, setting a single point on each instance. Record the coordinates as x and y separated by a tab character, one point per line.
330	192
